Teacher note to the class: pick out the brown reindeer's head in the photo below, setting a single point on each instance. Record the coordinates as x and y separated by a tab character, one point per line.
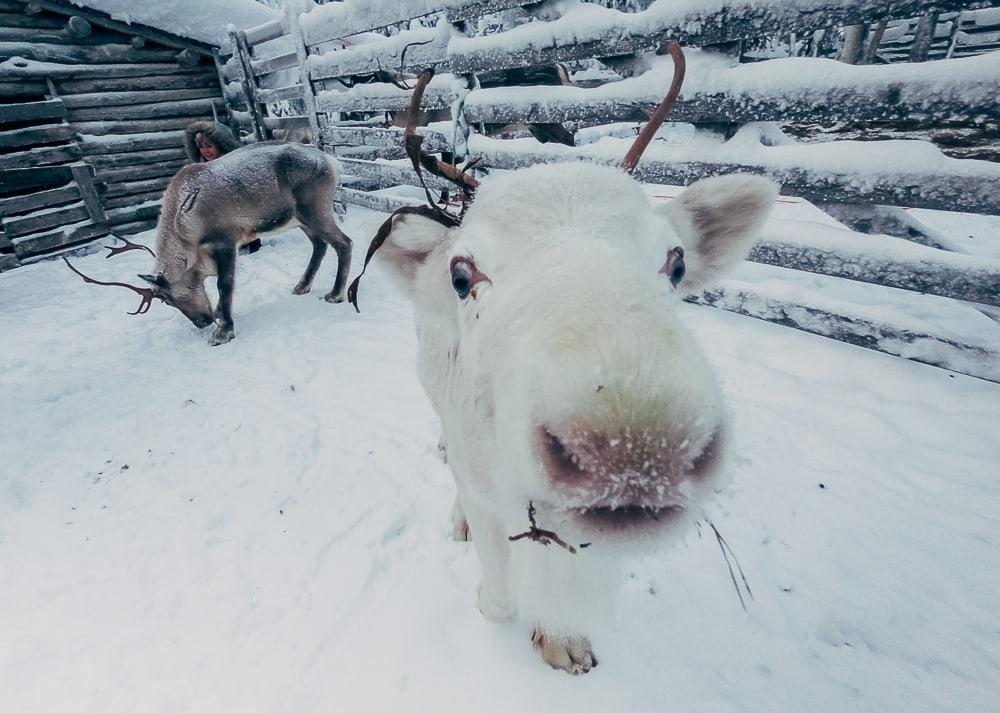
184	290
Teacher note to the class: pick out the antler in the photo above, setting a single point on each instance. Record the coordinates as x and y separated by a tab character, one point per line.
147	293
419	159
661	111
112	251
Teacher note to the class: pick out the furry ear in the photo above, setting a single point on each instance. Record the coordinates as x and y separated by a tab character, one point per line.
717	220
404	242
158	281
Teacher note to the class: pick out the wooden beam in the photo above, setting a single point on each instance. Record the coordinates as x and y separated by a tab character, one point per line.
135	158
102	128
44	220
115	144
110	99
82	54
35	201
78	26
35	135
160	110
293	10
140	172
293	91
38	243
30	111
131	188
133	213
83	175
22	89
140	226
22	179
248	83
133	198
137	84
39	156
32	69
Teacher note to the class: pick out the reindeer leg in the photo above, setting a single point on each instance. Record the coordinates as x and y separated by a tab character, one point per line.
341	244
225	262
319	250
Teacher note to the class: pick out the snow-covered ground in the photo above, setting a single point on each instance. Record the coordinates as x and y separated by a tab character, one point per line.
263	526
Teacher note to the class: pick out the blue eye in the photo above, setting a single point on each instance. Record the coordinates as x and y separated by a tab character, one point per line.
674	267
461	280
677	273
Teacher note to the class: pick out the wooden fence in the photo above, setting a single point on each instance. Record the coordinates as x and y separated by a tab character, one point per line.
308	58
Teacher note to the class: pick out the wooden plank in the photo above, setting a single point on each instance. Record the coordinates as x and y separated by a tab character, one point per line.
293	10
265	33
261	67
134	158
624	33
374	201
956	93
133	213
872	333
22	89
974	191
39	243
136	84
434	141
158	110
61	36
24	68
286	122
915	268
293	91
140	226
115	145
83	174
82	54
248	83
387	175
132	98
29	111
39	156
8	261
39	200
17	18
132	199
102	128
132	188
22	179
44	220
35	135
136	173
379	97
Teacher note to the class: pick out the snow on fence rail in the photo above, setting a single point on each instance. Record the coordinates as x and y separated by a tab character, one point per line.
948	94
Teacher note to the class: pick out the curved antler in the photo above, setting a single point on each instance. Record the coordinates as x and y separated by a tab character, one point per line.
112	251
146	293
660	113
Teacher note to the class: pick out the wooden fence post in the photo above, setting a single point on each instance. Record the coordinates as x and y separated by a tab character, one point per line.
294	8
241	52
82	174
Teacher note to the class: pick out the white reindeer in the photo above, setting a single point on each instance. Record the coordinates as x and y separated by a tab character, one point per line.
552	348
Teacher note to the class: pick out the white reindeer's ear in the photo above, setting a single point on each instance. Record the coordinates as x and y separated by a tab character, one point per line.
412	237
717	220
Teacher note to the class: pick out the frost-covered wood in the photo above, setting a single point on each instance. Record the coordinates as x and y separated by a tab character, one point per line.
442	91
44	219
137	84
188	107
131	188
115	144
82	53
134	173
868	330
956	92
292	91
29	111
132	98
70	235
434	141
33	69
101	128
386	175
31	135
39	156
42	199
908	173
374	201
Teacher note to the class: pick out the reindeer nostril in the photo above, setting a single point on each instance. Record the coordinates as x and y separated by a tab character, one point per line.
561	462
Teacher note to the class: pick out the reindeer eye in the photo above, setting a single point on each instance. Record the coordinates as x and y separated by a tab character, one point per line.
465	276
674	267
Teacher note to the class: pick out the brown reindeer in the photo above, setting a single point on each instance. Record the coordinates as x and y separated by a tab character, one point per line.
211	209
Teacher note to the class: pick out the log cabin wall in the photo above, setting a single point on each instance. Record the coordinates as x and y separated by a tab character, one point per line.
90	108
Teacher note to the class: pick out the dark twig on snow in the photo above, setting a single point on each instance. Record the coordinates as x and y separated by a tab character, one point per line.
543	537
112	250
726	552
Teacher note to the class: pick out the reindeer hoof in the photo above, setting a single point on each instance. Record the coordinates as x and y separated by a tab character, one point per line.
571	654
333	299
301	289
221	336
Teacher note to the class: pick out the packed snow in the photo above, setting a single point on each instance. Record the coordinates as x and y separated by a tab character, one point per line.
263	526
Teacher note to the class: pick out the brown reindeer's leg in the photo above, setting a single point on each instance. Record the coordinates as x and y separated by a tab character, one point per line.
319	250
316	218
342	246
225	262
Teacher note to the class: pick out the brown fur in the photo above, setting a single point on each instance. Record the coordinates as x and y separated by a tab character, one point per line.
219	134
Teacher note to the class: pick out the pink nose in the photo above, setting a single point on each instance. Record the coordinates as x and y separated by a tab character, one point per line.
628	467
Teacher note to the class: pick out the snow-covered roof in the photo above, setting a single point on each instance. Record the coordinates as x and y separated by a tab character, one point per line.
194	19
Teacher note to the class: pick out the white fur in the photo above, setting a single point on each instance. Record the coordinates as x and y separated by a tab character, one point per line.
575	326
